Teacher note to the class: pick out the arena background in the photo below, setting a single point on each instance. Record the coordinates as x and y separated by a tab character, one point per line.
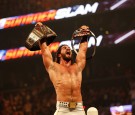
108	79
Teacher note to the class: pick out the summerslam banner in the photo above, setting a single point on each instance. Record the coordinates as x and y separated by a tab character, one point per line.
61	13
48	15
24	52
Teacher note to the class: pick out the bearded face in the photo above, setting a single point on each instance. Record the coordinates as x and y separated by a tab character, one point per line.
66	53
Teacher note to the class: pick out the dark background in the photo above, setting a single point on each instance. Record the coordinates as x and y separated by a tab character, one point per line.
108	78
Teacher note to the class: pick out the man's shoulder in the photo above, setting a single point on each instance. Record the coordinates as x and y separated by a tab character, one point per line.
54	65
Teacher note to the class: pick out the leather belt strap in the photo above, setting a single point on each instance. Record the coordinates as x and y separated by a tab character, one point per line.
71	105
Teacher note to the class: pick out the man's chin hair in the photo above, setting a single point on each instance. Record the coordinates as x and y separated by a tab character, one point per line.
67	59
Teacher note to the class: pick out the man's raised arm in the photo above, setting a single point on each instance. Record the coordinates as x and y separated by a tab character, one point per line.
81	56
46	54
39	38
84	33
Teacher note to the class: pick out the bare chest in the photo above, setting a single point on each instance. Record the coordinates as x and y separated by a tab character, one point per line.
68	77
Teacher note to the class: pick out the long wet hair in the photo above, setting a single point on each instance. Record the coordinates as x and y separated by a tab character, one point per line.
57	58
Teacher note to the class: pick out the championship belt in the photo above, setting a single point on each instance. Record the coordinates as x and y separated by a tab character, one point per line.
83	33
39	32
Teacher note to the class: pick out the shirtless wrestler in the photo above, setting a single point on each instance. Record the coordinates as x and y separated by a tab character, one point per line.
66	77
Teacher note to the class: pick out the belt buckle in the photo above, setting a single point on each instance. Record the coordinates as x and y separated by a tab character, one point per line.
72	105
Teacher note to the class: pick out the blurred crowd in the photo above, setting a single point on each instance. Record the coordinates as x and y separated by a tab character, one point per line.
38	97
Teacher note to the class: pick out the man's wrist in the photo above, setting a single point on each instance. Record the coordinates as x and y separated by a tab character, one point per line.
42	41
84	39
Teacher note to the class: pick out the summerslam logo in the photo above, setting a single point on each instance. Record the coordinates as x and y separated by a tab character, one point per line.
48	15
24	52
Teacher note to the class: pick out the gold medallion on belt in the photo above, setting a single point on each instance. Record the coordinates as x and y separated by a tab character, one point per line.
72	105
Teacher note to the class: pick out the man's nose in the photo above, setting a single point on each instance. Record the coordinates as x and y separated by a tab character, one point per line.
68	48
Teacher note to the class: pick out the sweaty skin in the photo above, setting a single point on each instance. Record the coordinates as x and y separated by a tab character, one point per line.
66	77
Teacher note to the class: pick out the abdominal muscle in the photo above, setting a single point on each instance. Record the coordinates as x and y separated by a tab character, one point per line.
66	96
68	88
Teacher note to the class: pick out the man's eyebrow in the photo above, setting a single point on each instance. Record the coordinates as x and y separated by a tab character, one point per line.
64	46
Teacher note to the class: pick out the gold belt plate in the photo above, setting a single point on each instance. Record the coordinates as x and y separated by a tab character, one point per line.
72	105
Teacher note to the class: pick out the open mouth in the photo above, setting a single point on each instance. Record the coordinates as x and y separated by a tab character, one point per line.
68	52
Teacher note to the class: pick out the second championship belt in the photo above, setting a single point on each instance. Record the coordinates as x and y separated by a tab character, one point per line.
81	33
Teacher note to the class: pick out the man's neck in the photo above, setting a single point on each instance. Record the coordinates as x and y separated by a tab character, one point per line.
65	63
